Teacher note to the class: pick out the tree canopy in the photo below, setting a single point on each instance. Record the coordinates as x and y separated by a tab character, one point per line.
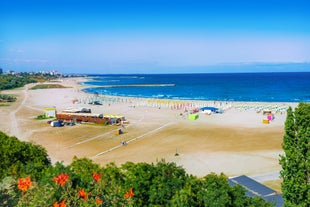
296	160
9	81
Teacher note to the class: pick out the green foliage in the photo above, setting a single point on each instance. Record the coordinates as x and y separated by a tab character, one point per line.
14	81
296	161
83	169
7	98
154	184
168	180
214	190
21	158
8	192
188	195
41	117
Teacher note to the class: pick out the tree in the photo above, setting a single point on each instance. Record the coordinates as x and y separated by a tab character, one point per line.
296	159
21	158
214	191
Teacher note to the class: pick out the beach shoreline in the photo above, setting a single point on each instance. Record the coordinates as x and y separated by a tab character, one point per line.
235	142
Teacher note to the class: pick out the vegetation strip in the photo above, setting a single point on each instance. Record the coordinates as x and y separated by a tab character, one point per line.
47	86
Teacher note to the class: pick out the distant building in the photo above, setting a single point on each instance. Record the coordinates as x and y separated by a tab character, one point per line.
11	72
1	71
50	72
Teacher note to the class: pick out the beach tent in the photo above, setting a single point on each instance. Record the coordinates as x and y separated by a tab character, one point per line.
270	117
193	116
212	109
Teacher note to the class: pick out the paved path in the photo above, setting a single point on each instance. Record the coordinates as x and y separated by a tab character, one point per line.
266	176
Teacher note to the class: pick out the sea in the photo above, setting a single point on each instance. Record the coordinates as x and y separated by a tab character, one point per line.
249	87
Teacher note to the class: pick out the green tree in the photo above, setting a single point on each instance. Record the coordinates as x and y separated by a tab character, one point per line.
296	159
169	179
139	177
214	190
82	171
188	195
21	158
14	81
154	185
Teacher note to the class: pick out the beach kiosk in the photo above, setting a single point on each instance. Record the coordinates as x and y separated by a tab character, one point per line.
50	112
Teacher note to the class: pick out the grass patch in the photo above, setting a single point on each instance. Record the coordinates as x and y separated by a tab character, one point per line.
43	116
47	86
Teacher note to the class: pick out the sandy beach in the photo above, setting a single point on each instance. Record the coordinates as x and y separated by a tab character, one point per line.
235	142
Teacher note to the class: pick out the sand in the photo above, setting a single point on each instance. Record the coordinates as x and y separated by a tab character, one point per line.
235	142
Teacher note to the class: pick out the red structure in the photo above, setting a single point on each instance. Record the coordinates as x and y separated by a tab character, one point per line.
89	117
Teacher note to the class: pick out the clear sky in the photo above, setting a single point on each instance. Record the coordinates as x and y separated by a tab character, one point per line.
152	36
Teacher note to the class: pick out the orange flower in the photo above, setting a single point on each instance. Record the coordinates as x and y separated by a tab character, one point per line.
61	179
97	176
24	183
82	194
129	193
61	204
98	200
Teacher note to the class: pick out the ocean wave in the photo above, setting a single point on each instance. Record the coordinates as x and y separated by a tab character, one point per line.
265	87
135	85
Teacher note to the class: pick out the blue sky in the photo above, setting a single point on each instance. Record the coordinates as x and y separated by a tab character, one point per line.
153	36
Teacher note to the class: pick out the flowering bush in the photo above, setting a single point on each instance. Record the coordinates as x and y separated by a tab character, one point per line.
63	189
61	179
24	183
129	194
97	176
60	204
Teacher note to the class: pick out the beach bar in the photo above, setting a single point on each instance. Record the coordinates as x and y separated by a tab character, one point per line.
90	117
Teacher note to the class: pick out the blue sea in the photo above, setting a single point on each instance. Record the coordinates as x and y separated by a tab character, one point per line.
256	87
